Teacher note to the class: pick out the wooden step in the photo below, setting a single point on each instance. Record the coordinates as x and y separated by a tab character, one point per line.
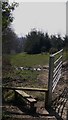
32	100
22	93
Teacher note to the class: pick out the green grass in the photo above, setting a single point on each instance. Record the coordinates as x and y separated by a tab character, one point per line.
27	75
23	59
27	60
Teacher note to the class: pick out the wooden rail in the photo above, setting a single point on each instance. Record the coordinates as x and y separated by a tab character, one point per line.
59	52
26	89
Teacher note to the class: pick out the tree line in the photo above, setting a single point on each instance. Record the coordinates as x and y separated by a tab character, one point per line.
35	42
38	42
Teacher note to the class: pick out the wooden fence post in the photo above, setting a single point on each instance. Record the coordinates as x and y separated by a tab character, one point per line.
50	79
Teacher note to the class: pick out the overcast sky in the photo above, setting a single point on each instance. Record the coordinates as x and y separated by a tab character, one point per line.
45	16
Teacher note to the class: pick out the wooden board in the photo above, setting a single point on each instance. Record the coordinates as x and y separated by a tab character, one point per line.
32	100
22	93
26	88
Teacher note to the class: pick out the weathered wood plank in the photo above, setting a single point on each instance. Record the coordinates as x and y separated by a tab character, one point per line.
58	69
55	83
26	89
27	98
59	52
22	93
57	66
58	60
31	100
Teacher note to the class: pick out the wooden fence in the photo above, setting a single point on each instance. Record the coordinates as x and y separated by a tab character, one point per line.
55	68
55	72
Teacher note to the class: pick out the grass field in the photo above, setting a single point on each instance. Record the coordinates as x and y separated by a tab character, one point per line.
23	59
27	60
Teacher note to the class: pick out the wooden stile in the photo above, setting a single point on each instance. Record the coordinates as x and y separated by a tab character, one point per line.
55	72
